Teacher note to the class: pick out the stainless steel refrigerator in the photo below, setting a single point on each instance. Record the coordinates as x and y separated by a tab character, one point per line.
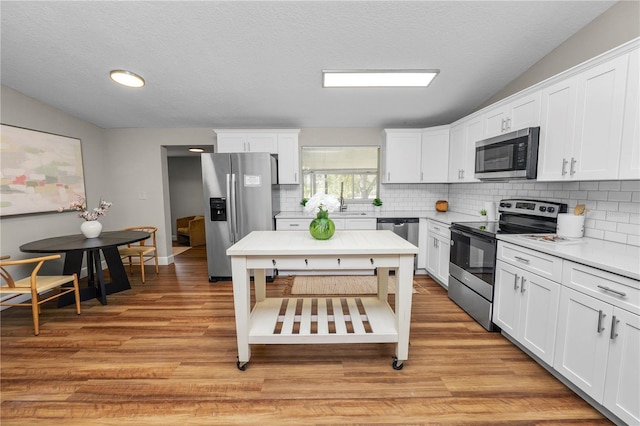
239	193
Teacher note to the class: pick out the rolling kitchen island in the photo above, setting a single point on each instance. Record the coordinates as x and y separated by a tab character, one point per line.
322	319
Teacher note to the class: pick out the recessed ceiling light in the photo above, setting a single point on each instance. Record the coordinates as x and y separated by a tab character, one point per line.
378	78
196	150
127	78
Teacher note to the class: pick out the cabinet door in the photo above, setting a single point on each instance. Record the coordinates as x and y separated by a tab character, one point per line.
443	260
402	156
525	112
600	110
630	150
474	133
539	315
432	254
288	159
423	245
496	121
434	166
262	142
456	152
622	388
556	129
506	299
582	342
366	224
231	142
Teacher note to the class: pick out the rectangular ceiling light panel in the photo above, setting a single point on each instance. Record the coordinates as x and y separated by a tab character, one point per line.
408	78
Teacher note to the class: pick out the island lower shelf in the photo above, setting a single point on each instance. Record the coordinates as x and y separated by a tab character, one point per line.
321	319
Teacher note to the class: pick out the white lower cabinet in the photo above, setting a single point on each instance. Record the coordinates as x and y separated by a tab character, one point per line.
438	247
621	387
598	350
526	308
341	223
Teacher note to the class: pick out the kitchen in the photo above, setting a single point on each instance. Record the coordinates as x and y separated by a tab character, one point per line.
614	203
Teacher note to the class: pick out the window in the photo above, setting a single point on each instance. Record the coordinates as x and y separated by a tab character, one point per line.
330	169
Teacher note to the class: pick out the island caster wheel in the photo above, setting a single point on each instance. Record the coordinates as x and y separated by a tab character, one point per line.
397	365
242	365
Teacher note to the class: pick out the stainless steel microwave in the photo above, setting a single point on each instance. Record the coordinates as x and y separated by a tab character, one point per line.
509	156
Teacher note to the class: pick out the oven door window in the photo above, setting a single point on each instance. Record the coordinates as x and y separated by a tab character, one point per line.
474	254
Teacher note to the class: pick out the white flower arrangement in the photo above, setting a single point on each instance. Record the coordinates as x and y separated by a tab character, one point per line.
80	205
322	202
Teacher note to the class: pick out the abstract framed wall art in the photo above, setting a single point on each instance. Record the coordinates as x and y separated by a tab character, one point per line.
39	171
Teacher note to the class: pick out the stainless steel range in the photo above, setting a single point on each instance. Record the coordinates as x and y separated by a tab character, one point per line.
472	260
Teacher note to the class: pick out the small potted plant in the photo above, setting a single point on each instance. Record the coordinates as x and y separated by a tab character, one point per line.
377	204
483	212
303	203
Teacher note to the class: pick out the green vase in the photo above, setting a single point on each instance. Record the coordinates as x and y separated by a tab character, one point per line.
322	228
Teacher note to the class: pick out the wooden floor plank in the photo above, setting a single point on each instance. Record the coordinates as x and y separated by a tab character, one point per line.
164	353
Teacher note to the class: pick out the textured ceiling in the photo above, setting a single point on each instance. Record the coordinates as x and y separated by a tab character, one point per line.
258	64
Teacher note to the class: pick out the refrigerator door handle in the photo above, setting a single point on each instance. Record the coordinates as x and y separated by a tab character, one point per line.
234	215
229	208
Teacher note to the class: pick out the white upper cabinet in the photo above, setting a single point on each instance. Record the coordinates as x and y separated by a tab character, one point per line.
462	149
434	165
288	158
415	155
581	124
630	150
401	153
514	115
246	141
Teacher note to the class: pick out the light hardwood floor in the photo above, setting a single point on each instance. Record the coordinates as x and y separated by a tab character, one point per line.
164	353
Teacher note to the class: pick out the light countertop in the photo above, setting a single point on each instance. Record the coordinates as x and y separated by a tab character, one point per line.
618	258
295	243
446	217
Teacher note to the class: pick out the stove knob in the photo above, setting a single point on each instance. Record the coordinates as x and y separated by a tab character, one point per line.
508	205
502	204
542	208
551	209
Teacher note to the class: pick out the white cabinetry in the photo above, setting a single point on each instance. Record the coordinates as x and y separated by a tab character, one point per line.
401	155
288	158
525	303
341	223
283	142
415	155
630	150
514	115
438	247
598	339
462	149
434	164
581	124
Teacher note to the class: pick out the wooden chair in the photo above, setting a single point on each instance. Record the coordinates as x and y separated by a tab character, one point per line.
35	285
143	251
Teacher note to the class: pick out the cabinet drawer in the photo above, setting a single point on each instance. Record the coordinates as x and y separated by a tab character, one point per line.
619	291
360	224
542	264
323	262
439	228
292	224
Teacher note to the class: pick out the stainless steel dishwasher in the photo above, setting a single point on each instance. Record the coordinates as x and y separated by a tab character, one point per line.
406	227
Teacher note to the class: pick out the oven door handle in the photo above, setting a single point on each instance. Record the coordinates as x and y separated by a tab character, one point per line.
470	235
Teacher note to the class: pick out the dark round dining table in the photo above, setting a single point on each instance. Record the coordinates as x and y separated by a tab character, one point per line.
75	246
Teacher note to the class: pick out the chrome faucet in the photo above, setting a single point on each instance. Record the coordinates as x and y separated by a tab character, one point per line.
343	206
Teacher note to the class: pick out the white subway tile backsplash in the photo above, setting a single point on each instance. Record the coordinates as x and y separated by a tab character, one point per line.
613	206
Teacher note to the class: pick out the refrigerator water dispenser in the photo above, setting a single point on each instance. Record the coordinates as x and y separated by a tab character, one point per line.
218	208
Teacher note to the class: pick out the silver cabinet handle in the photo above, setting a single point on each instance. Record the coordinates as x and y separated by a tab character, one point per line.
571	169
610	290
249	146
614	322
388	176
436	228
515	283
462	173
294	224
522	285
421	176
295	177
564	166
503	124
508	123
522	259
601	316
